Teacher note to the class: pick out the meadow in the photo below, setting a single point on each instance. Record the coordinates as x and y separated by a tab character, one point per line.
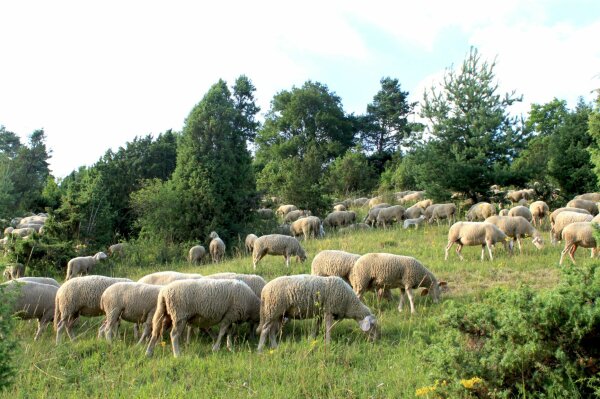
351	367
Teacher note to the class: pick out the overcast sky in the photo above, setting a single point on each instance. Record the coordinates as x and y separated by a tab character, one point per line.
94	75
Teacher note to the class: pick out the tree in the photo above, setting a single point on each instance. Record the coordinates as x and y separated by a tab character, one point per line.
350	174
594	131
473	137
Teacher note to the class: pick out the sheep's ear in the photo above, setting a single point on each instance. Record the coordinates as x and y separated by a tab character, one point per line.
442	283
424	292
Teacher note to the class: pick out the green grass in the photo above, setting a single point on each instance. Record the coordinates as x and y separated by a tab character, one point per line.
351	367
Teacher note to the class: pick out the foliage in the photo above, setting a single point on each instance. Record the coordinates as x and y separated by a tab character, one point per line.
350	173
399	174
157	205
7	339
594	132
519	341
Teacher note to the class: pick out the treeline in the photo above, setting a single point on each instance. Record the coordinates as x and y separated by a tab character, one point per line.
308	151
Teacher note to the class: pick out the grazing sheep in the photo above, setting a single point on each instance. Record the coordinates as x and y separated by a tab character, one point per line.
339	219
539	210
204	303
129	301
371	217
277	244
414	212
424	204
556	212
429	211
362	201
475	233
375	201
196	254
117	249
333	263
83	264
254	281
516	195
40	280
249	242
579	234
589	206
285	209
480	211
564	219
216	248
414	222
415	196
14	271
305	297
503	212
521	210
283	229
23	233
309	226
79	296
339	207
443	211
295	215
381	205
265	213
164	278
390	214
517	227
594	197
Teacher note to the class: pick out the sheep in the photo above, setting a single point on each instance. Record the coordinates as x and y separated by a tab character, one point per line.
33	301
285	209
277	244
283	229
375	201
414	222
594	197
429	210
39	220
249	242
521	210
380	205
309	226
35	226
556	212
339	219
40	280
254	281
14	271
371	217
166	277
414	212
516	195
517	227
389	214
539	210
480	211
339	207
8	231
117	249
443	211
129	301
475	233
415	196
385	271
196	254
79	296
424	204
503	212
205	303
401	194
305	296
579	234
295	215
83	264
216	248
362	201
24	232
589	206
265	213
333	263
565	218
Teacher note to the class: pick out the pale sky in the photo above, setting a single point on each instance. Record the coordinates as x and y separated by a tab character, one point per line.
94	75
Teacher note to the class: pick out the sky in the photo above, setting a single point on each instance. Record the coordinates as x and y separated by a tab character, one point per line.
94	75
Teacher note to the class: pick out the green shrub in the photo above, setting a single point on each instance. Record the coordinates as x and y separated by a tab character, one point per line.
523	343
41	254
7	341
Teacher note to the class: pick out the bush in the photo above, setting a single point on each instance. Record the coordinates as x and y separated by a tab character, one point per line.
521	343
7	341
41	254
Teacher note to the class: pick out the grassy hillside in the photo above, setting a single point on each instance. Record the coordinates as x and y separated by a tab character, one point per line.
350	367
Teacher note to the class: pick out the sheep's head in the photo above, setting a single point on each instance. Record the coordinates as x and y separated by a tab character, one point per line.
100	256
369	326
213	235
538	242
434	290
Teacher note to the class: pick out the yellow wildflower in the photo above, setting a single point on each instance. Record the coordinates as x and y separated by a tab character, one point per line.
469	384
424	391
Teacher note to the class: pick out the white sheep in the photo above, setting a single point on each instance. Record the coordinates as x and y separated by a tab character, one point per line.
79	296
129	301
216	248
362	201
295	215
285	209
340	207
14	271
196	254
594	197
277	244
308	227
166	277
333	263
516	195
254	281
521	210
249	242
8	231
304	297
414	222
475	233
40	280
480	211
371	217
589	206
429	211
424	204
117	249
24	232
503	212
414	196
564	219
443	211
517	228
203	302
339	219
579	234
556	212
390	214
83	264
385	271
414	212
375	201
33	301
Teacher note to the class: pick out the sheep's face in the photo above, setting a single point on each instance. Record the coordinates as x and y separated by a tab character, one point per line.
538	242
434	291
301	257
369	326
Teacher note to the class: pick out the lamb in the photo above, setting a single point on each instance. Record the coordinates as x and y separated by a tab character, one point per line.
305	296
40	280
196	254
164	278
295	215
589	206
443	211
277	244
339	219
389	214
517	227
333	263
339	207
539	210
414	212
414	222
579	234
382	271
33	301
129	301
285	209
521	210
594	197
205	303
14	271
216	248
254	281
117	249
556	212
79	296
480	211
564	219
309	226
249	242
83	264
475	233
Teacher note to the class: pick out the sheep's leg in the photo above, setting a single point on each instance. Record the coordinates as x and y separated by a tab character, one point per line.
563	253
110	324
328	327
41	326
489	248
401	304
482	252
519	244
178	328
409	293
287	260
101	329
263	336
450	244
222	331
147	331
572	252
317	327
458	249
273	335
136	331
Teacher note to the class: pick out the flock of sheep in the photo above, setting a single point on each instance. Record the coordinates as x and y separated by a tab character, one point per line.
170	301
